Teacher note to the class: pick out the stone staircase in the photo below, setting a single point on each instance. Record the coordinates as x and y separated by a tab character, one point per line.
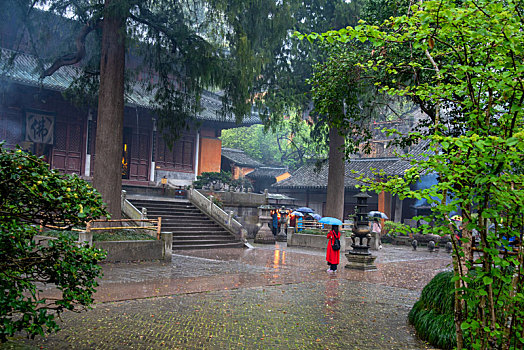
191	228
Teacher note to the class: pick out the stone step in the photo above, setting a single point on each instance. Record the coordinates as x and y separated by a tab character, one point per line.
174	212
191	228
187	224
224	236
209	246
198	233
160	206
185	216
206	240
177	229
163	204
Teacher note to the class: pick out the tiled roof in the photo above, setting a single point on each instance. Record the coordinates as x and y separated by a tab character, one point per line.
24	69
240	158
267	172
307	176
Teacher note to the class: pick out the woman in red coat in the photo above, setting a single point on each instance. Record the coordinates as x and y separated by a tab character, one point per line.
332	256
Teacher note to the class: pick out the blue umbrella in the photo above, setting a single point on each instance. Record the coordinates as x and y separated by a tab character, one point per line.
305	210
297	213
316	216
330	221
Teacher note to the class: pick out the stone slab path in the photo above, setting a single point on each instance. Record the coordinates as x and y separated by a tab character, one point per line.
270	297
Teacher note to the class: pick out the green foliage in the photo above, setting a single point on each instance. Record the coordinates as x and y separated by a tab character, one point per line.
288	143
208	178
176	49
432	314
284	80
30	195
395	229
462	63
241	183
341	98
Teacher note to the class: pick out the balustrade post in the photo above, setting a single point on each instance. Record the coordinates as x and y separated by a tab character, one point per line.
143	216
123	198
211	203
229	217
86	237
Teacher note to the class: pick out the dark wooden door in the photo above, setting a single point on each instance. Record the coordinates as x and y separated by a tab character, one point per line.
67	149
140	154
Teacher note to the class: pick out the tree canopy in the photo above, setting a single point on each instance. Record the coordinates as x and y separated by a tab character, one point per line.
461	62
288	144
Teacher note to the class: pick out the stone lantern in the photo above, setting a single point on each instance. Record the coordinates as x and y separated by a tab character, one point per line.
264	234
360	258
282	234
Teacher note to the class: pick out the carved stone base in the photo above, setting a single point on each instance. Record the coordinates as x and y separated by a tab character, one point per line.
264	236
281	236
360	262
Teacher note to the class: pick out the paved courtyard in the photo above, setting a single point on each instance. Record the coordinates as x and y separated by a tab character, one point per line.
269	297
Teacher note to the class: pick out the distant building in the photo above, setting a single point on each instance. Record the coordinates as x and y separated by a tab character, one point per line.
264	177
241	165
309	185
238	162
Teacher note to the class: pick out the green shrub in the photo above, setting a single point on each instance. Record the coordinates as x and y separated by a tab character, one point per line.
395	229
432	315
32	195
210	178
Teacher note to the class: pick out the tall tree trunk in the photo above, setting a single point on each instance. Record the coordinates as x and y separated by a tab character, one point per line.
335	187
110	123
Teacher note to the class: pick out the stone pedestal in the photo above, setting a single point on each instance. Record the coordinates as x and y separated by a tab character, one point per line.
360	262
360	258
282	235
264	235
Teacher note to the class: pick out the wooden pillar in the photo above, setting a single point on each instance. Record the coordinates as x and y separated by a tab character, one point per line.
384	203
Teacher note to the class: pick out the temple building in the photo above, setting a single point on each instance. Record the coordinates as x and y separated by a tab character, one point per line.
35	115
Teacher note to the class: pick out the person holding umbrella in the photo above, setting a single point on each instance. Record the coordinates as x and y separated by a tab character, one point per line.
333	247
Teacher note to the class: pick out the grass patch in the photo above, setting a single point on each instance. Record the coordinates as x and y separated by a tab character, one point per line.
113	235
432	314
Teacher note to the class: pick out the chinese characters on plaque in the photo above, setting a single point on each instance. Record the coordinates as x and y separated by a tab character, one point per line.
39	128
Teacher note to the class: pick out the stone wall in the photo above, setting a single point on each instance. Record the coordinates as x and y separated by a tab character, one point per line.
244	206
122	251
312	241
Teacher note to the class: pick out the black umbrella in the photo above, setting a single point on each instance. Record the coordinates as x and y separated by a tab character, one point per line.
377	214
305	210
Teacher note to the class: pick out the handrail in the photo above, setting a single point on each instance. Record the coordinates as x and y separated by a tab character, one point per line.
129	209
157	228
207	206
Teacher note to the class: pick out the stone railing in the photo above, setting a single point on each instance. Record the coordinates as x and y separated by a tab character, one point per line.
209	208
130	210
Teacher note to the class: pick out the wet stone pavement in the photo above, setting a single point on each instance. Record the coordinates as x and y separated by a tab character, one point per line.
270	297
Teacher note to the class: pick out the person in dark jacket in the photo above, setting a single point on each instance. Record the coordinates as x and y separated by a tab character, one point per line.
274	225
